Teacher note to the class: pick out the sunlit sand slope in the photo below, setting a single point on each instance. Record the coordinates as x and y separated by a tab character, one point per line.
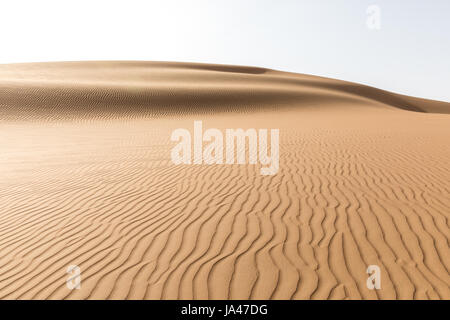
86	179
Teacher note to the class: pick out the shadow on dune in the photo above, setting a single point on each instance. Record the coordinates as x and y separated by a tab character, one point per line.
71	90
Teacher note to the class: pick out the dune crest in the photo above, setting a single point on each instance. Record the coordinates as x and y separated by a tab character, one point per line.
141	89
87	180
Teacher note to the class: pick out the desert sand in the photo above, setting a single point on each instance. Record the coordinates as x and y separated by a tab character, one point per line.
87	180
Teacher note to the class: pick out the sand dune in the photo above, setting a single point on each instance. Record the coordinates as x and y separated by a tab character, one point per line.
87	180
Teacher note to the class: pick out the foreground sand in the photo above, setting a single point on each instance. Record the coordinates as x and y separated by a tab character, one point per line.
86	179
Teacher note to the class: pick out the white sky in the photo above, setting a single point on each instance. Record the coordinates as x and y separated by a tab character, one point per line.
409	54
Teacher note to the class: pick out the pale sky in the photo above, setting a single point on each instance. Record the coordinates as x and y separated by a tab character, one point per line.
409	54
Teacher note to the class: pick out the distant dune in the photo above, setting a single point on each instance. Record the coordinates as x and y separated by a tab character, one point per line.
87	90
87	180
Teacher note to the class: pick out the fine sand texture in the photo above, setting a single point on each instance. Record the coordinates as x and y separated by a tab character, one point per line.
86	179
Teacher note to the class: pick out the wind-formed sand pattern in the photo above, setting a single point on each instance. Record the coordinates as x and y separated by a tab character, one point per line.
86	179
